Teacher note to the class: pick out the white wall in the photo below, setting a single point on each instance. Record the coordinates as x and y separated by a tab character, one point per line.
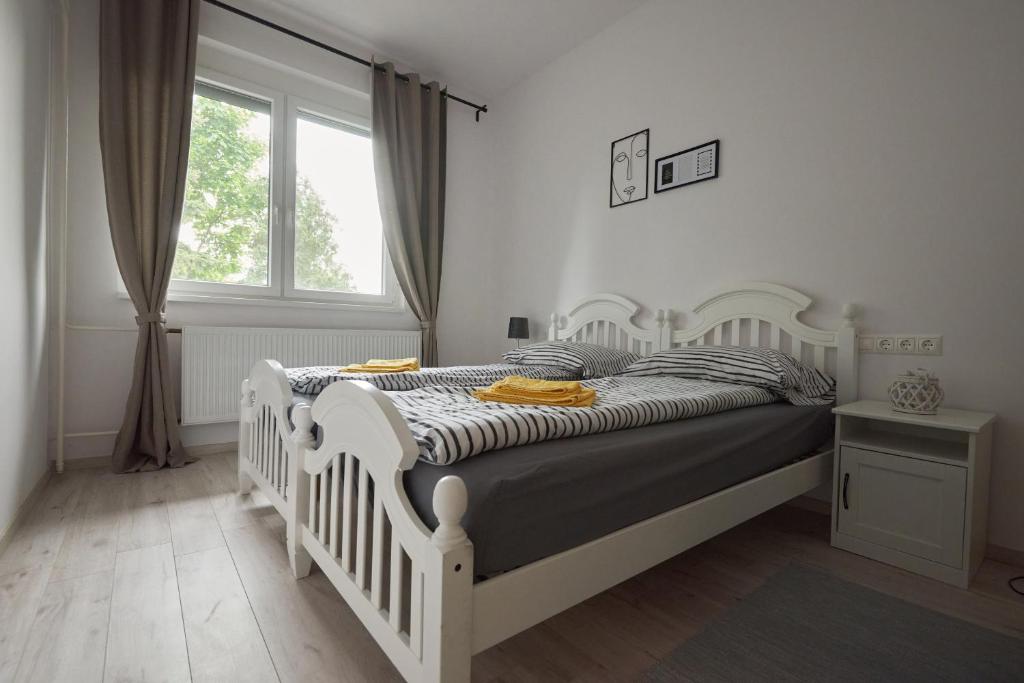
99	362
871	152
24	81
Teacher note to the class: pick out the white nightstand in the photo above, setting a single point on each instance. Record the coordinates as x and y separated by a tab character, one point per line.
912	490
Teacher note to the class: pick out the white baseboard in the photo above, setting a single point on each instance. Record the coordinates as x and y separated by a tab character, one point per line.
1005	555
195	451
23	509
87	463
96	444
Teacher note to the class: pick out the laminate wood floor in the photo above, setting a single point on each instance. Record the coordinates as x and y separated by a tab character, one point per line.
171	576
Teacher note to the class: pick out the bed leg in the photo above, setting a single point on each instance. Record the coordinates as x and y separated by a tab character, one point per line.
298	491
245	482
448	594
299	559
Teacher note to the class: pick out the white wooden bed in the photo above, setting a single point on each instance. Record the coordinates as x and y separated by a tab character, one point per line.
268	445
413	589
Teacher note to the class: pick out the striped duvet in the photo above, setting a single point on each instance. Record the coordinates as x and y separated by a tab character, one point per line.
450	425
311	381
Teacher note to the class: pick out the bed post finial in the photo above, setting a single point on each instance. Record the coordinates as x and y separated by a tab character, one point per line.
847	365
553	327
450	500
850	314
302	418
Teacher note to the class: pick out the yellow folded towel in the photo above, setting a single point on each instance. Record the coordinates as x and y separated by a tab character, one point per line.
516	384
377	365
540	392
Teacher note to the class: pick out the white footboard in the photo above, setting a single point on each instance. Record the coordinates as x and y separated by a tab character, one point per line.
265	443
411	588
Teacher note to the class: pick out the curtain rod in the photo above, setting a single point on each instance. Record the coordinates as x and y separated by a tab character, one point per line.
480	108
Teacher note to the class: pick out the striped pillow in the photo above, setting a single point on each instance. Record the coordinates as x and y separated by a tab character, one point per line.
773	370
590	360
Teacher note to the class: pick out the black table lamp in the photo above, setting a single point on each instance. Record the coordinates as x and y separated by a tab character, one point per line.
518	328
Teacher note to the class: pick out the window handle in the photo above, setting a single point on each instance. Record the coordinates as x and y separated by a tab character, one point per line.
846	491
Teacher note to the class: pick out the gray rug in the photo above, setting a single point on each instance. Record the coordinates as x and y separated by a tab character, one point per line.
805	625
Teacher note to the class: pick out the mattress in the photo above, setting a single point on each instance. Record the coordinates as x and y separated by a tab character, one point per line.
529	502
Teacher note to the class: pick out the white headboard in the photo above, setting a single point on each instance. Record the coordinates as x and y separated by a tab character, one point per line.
607	319
767	315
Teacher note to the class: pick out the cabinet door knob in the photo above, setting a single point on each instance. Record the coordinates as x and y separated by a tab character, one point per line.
846	489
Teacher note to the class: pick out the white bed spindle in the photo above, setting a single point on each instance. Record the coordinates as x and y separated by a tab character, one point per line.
264	434
312	502
282	463
336	477
346	514
377	551
272	457
322	527
819	358
272	464
275	440
257	432
416	611
267	434
362	502
396	583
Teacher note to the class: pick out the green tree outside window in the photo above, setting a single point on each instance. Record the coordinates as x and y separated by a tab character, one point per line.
226	205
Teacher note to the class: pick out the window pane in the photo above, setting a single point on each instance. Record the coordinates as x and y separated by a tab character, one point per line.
225	235
339	244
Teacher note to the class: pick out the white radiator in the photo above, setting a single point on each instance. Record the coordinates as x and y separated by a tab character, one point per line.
215	360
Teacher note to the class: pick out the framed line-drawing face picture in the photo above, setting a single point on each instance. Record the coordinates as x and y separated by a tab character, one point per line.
687	167
629	168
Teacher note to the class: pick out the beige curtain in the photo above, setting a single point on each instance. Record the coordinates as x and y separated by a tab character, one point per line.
409	142
147	73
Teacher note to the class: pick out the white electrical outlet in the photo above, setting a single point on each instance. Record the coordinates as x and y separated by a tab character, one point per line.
906	344
930	344
903	344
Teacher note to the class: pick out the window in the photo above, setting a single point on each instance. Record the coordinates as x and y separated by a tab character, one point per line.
280	201
225	223
338	237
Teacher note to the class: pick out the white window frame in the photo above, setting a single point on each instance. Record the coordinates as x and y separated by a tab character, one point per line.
272	289
280	289
357	124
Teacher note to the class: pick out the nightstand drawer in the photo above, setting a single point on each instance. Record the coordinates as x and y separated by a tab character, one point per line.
908	505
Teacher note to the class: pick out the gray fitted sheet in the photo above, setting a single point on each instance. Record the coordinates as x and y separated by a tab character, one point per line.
529	502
